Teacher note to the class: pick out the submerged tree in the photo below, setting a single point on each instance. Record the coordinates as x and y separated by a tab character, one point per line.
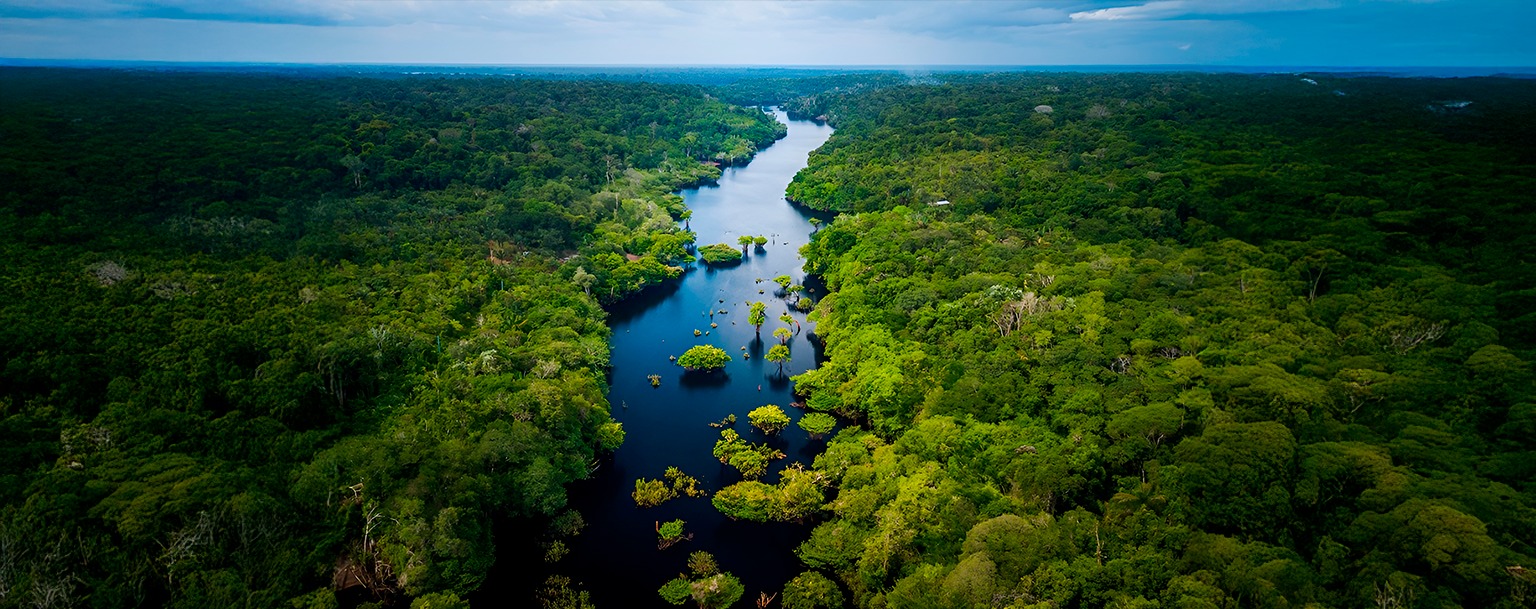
778	354
671	532
758	315
783	334
708	587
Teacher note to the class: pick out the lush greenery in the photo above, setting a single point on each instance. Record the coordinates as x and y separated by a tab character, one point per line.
1178	340
675	483
708	587
769	418
799	495
719	253
703	357
817	424
778	354
670	533
750	459
812	590
270	336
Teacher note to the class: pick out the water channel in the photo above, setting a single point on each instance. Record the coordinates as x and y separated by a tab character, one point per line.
616	556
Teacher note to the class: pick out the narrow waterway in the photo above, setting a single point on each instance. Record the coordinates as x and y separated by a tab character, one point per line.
617	556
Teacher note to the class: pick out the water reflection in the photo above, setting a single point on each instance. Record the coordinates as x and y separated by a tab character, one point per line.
616	556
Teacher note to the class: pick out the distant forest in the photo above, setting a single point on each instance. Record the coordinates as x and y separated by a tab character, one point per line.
1098	340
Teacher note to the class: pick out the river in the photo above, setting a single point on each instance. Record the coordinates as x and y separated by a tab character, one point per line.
616	555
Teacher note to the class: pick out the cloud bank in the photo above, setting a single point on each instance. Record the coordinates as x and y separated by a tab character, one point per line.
989	32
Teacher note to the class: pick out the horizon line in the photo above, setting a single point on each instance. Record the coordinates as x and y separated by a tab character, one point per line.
15	61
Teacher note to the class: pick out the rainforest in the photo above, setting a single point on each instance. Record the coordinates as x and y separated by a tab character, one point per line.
319	338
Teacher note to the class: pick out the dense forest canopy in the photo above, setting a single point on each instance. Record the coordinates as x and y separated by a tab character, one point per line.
268	338
1177	341
1094	340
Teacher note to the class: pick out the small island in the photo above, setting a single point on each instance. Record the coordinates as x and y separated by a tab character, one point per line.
719	253
704	358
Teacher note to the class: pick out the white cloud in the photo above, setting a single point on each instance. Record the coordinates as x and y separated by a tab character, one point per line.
1170	9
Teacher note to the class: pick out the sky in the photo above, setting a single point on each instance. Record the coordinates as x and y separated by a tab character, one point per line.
765	32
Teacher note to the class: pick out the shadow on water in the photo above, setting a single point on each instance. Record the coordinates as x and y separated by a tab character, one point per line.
639	303
704	379
616	556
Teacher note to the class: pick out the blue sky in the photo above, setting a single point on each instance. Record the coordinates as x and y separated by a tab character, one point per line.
807	32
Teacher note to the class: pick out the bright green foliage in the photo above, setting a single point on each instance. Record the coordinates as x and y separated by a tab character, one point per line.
651	493
778	354
675	591
1142	359
768	418
811	590
783	334
675	483
683	484
759	241
751	463
784	281
750	459
610	436
671	529
719	253
709	588
798	495
746	500
703	357
757	315
817	424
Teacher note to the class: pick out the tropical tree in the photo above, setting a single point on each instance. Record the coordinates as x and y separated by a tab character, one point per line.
708	587
812	590
769	418
758	315
703	357
719	253
783	334
817	424
778	354
788	321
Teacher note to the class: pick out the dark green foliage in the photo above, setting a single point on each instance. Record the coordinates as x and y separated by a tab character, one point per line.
812	590
263	332
1193	341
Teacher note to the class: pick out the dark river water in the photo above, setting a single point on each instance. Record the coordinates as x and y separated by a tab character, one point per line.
616	557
